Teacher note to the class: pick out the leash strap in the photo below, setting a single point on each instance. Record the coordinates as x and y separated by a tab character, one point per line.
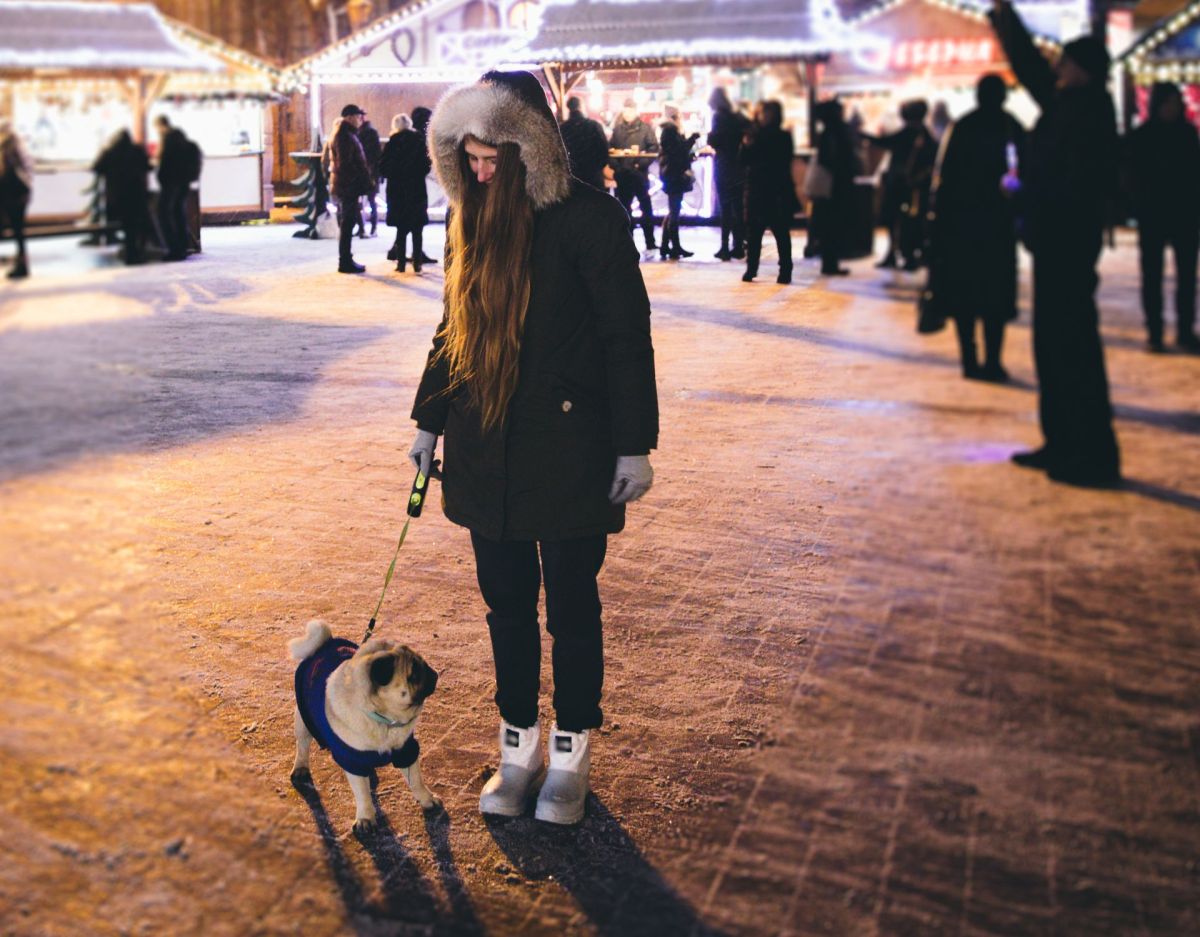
416	501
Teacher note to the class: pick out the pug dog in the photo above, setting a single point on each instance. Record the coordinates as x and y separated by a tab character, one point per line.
362	704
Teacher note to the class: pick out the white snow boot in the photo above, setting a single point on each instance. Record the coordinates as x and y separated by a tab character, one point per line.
562	797
521	770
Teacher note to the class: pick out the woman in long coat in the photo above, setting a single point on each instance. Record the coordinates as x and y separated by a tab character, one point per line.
16	184
541	381
675	174
771	201
405	164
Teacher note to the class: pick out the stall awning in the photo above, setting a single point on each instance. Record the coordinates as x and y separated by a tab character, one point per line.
597	33
1169	50
107	37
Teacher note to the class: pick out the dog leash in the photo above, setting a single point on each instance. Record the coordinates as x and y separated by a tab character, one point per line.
416	501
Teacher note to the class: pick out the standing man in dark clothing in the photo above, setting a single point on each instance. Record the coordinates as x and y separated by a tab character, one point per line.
178	168
725	137
631	132
586	143
368	136
125	168
404	165
350	179
974	237
1068	178
906	184
766	152
837	155
16	187
1164	173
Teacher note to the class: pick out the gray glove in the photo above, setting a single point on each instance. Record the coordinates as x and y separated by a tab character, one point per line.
421	453
632	479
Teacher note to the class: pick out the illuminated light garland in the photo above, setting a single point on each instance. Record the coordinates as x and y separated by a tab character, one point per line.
961	7
1135	60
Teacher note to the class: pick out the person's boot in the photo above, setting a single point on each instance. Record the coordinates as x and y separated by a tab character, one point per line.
1034	458
1154	342
417	263
785	275
20	269
521	770
348	265
723	253
1188	342
565	791
738	252
426	259
400	264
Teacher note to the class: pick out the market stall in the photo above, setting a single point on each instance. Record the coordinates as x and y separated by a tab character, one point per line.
1168	51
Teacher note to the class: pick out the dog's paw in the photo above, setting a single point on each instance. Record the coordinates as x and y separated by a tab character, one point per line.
301	777
364	826
431	804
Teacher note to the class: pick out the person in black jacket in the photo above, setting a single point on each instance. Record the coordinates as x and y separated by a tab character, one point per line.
974	239
541	383
586	143
125	168
837	155
675	173
175	176
1068	179
368	136
906	184
630	172
725	137
350	178
766	152
16	187
1163	162
405	164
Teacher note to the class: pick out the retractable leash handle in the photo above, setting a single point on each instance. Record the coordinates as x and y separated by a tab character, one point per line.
416	501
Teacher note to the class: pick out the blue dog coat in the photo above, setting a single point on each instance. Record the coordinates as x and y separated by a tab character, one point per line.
311	676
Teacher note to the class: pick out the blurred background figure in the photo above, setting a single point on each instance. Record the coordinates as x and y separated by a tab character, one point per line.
675	173
771	201
349	180
125	168
630	132
1163	171
725	136
179	163
368	136
974	237
586	143
939	120
912	152
405	164
836	165
16	187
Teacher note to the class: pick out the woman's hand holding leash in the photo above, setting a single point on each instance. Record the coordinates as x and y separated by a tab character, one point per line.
421	453
632	479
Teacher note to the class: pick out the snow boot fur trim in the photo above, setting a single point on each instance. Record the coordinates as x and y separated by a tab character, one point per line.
521	770
565	791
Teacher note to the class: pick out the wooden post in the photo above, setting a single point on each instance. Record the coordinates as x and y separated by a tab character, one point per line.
811	80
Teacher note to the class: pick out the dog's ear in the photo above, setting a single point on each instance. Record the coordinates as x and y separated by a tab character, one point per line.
383	668
422	680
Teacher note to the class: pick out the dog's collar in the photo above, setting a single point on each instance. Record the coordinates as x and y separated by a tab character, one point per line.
390	723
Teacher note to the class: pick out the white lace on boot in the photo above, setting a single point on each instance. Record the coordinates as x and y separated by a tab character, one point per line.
521	770
563	795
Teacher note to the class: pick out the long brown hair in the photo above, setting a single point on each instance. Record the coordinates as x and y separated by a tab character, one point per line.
490	239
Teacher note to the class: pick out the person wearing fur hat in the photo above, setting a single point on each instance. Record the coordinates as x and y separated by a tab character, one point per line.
541	384
1068	180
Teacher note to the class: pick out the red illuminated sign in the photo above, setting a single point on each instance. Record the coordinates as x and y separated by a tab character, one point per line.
914	54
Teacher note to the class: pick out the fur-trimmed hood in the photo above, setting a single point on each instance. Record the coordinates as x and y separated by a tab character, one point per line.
494	114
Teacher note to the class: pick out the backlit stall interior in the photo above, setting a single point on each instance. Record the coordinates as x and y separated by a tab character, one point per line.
1169	51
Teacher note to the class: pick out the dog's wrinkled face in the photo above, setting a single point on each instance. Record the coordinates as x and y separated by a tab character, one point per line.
400	680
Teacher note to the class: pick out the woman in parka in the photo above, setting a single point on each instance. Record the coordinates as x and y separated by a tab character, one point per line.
541	381
675	174
405	164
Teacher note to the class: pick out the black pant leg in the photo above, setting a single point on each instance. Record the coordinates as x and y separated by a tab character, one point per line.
643	198
781	230
993	340
350	218
754	235
509	581
625	194
16	210
418	237
964	327
1186	247
1151	243
573	610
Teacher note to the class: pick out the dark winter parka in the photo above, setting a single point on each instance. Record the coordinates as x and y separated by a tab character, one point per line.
770	191
631	171
368	136
586	391
728	128
125	168
675	160
173	159
405	164
1163	166
349	176
587	148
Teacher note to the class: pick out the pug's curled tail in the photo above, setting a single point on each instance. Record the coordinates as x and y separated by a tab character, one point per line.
316	633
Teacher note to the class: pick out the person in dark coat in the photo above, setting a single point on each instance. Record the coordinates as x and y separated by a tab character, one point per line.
836	154
906	184
546	403
368	136
1163	164
350	178
125	168
631	172
16	186
586	143
974	239
175	176
1068	178
405	164
725	138
675	173
766	153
